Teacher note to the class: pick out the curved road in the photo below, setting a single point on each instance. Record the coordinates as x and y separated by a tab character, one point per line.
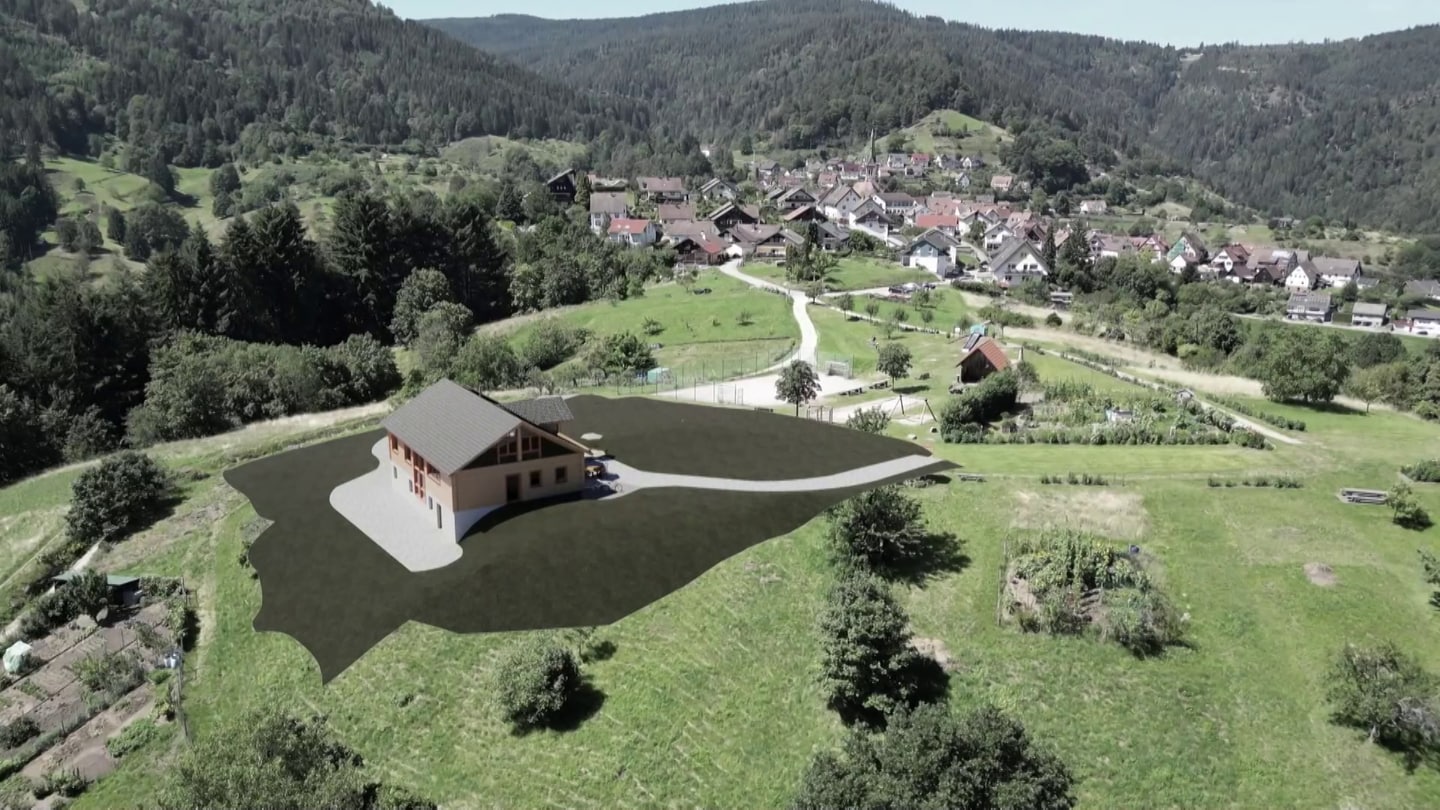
809	337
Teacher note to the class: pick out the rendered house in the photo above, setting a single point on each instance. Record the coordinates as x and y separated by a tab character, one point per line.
760	241
1002	182
948	224
1338	272
896	204
1016	262
457	455
838	202
1423	322
1093	207
803	214
790	199
662	189
1303	278
718	188
932	250
633	232
605	207
1367	315
1309	306
1188	250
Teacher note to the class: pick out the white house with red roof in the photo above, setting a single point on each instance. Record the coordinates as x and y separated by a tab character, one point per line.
632	232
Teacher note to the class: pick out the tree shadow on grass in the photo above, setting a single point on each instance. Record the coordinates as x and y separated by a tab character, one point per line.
1414	754
939	553
910	389
581	706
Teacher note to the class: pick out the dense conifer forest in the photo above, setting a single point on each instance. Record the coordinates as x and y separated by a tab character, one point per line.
1349	131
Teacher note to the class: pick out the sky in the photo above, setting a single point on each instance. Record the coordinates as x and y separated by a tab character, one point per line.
1166	21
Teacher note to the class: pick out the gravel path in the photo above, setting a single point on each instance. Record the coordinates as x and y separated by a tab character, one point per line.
631	479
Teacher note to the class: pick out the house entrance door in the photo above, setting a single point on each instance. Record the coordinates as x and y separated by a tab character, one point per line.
512	488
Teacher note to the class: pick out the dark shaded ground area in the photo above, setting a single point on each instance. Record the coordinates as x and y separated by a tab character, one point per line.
675	437
576	563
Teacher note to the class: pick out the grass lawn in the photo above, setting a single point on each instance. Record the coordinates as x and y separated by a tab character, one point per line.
701	335
980	138
850	273
708	699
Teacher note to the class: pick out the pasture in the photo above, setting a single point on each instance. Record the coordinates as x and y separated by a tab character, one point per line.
709	694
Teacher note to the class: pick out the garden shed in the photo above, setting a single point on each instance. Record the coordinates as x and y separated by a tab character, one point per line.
17	657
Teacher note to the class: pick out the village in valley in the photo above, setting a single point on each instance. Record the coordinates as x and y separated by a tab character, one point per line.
960	218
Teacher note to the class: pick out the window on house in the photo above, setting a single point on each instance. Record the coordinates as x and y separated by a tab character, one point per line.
530	447
507	452
434	473
407	453
394	444
534	478
561	475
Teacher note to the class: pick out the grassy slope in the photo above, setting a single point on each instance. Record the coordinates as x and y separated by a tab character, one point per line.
709	696
981	138
851	273
701	334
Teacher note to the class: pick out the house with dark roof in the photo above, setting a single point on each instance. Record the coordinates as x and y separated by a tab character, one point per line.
718	188
675	212
803	214
1423	288
562	186
1338	272
1368	315
1303	278
1422	322
662	189
633	232
727	216
458	454
1016	262
760	241
606	206
932	250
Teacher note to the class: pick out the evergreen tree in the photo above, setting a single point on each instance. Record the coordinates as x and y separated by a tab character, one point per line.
476	268
363	251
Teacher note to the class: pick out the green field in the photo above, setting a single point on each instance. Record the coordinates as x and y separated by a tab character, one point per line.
701	335
709	699
980	138
850	273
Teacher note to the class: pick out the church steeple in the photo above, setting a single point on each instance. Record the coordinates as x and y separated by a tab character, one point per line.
872	144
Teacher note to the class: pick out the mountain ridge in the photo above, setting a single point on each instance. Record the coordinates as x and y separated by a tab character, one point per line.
1347	130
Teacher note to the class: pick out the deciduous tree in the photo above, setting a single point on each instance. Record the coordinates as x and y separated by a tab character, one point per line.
798	384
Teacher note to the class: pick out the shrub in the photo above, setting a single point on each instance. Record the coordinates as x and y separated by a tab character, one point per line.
1427	471
67	783
869	420
1386	694
878	528
112	500
534	684
868	667
111	674
1005	317
17	733
49	611
994	396
1053	319
135	736
1405	510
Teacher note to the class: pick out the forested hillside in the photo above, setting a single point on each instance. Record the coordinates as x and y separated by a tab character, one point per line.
1348	131
193	81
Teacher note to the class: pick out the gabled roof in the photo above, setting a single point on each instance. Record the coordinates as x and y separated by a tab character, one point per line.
790	194
541	410
1423	314
1309	270
732	208
896	198
697	229
986	347
449	425
937	221
1426	287
1328	266
866	208
1310	300
607	202
675	212
661	184
755	234
560	175
836	194
1013	247
833	231
629	226
803	212
1367	309
936	239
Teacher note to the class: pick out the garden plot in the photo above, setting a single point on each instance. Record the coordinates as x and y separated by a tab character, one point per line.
1069	412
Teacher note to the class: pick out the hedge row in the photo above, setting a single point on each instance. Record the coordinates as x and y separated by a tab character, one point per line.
1275	419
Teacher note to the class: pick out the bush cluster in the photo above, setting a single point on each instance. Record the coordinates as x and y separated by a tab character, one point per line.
110	501
535	682
1278	482
17	733
1080	581
992	398
1005	317
203	384
1427	471
1083	479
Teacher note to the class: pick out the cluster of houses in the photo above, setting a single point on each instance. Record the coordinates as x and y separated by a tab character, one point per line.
713	224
